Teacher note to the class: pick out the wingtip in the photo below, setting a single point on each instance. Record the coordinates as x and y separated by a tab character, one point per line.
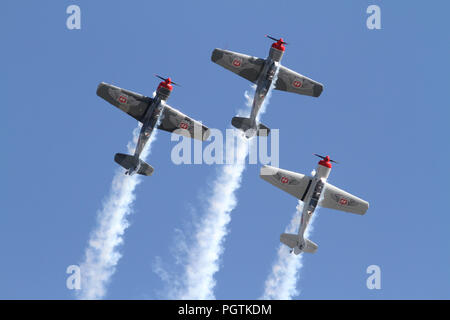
206	133
216	55
266	170
99	87
317	90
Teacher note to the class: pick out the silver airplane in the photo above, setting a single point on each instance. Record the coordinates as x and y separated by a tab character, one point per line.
151	112
262	72
312	191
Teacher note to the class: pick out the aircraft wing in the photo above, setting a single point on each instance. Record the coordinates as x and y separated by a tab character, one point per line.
172	120
292	81
243	65
130	102
294	183
335	198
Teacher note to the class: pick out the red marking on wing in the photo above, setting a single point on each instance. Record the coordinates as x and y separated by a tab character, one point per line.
237	63
284	180
122	99
297	83
343	201
184	125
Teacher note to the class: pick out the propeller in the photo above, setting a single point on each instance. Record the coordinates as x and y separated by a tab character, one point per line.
275	39
167	80
324	158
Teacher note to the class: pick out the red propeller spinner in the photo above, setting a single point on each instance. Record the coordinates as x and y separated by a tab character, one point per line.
279	44
325	161
167	83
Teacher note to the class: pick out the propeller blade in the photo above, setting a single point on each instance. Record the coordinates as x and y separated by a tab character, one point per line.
274	39
165	79
318	155
323	158
271	38
160	77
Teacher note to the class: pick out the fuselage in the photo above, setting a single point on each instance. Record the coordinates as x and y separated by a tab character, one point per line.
311	199
266	78
150	120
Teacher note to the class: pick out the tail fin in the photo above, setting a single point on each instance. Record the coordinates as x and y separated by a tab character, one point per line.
293	242
250	128
133	165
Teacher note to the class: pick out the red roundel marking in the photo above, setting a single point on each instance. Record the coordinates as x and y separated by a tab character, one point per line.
343	201
237	63
184	125
123	99
284	180
297	83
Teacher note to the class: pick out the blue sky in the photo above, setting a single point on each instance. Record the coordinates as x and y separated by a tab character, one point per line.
382	115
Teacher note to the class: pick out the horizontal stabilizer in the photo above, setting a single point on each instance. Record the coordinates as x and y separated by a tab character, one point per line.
242	123
131	163
125	160
310	246
249	127
293	241
263	131
145	169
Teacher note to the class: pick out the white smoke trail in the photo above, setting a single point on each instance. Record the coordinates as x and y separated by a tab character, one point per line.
203	256
102	253
281	284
